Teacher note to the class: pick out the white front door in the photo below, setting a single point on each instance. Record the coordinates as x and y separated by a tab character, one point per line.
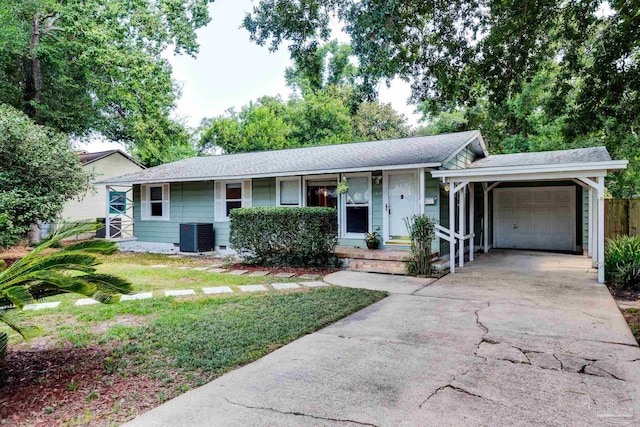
401	201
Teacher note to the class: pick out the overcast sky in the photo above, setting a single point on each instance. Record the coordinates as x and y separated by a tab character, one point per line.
230	71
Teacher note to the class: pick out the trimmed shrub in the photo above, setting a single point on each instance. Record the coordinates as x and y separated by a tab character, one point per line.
296	237
622	262
422	231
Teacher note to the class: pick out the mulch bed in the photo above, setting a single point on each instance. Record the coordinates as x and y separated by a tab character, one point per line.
624	295
275	270
632	316
60	386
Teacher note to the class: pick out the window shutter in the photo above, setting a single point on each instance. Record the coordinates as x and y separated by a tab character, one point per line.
219	201
166	198
144	202
246	193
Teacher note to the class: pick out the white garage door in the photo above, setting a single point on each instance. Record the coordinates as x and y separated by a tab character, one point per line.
535	218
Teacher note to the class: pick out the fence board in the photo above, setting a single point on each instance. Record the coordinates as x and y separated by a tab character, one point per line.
634	217
616	217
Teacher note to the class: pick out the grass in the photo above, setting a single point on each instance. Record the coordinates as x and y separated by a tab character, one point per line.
174	344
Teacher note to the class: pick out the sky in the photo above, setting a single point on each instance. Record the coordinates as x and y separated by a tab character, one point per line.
230	70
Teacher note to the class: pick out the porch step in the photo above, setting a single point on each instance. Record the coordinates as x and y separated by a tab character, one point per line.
377	266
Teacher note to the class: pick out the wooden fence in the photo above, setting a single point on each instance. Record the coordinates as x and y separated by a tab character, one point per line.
622	216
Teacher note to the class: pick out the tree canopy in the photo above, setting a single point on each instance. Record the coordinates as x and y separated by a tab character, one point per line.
39	172
96	66
531	75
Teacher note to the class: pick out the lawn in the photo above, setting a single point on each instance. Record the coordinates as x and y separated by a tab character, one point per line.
102	365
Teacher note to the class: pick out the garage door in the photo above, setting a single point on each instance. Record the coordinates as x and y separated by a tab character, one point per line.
535	218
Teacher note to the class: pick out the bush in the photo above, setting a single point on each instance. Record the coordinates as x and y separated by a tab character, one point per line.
297	237
622	262
422	231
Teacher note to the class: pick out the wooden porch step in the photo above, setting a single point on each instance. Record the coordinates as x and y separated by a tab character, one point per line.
377	266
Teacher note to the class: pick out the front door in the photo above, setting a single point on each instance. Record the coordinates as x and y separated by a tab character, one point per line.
401	201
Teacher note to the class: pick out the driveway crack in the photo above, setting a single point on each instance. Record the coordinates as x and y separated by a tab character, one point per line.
299	414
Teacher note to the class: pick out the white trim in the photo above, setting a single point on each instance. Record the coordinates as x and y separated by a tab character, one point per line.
385	198
145	202
285	179
307	178
600	190
599	169
343	207
221	197
277	174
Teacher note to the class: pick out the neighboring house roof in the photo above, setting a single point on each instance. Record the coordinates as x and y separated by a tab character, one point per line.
422	151
579	155
86	157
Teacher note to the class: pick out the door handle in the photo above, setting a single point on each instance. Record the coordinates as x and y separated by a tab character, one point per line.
515	226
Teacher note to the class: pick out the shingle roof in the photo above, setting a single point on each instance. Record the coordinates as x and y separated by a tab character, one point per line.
361	155
579	155
86	157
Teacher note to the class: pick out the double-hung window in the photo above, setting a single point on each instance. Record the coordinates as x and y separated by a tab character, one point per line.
231	195
288	191
155	202
356	211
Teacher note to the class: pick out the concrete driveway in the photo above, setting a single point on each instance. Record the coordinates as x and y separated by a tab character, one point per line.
514	338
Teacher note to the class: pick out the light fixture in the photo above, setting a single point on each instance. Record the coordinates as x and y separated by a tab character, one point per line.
377	179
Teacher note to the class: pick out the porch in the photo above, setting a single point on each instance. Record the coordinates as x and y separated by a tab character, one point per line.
390	261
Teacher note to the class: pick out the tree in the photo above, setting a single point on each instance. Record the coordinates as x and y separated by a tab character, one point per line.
44	273
39	172
374	121
96	65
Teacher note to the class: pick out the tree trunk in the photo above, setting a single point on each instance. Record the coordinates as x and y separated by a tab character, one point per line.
33	70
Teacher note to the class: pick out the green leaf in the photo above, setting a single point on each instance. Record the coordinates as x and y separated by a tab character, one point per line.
18	295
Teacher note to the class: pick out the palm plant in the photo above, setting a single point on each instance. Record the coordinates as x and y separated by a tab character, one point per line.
45	272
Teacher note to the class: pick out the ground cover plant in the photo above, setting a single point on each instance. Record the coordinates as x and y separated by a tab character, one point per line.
622	263
101	365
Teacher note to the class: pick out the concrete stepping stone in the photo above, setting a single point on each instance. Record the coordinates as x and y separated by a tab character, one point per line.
86	301
238	272
314	284
159	266
309	277
41	305
200	268
284	275
179	292
280	286
217	290
135	297
216	266
252	288
217	270
259	274
184	268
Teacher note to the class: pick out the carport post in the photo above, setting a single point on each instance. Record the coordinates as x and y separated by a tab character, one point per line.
601	229
107	216
485	216
472	220
452	227
594	227
462	224
590	225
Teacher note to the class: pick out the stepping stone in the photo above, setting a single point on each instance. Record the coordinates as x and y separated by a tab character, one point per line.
176	256
217	290
179	292
215	266
218	270
252	288
259	274
41	305
184	268
284	275
314	284
200	268
238	272
86	301
134	297
159	266
280	286
309	277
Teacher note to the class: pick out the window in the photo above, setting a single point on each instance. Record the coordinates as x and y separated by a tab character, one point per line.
322	193
357	205
288	191
155	202
117	202
233	196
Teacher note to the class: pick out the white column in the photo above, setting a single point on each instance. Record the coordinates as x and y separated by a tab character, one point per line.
421	180
452	228
594	227
485	216
462	219
472	220
107	218
590	224
601	229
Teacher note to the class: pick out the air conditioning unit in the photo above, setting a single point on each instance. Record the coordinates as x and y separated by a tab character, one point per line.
196	237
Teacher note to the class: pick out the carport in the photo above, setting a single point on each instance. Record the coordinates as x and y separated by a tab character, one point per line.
537	215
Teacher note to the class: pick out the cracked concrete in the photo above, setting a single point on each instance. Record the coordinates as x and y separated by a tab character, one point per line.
514	338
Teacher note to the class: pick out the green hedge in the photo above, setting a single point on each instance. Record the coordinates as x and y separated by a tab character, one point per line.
297	237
